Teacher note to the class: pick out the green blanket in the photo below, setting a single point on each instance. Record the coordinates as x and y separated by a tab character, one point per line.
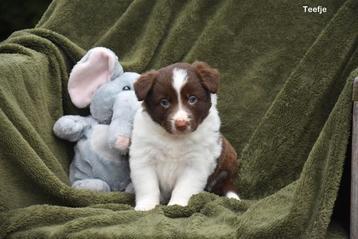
285	104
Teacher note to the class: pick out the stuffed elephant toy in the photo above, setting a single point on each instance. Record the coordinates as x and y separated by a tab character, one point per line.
101	154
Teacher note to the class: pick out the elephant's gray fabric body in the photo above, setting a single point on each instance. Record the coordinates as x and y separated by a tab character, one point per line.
101	153
96	165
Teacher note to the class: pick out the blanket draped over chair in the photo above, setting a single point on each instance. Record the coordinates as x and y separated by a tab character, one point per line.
284	101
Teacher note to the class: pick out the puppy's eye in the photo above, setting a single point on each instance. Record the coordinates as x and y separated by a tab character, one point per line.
165	103
192	99
126	88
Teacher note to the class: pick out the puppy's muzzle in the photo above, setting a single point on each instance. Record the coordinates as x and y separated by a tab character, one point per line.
181	124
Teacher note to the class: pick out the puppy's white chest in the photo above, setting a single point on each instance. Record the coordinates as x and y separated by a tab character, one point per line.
167	173
173	158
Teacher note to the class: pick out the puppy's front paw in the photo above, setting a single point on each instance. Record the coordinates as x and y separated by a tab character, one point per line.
232	195
178	201
145	206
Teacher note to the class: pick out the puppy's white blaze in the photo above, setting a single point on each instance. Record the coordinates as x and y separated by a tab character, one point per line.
232	195
180	77
181	114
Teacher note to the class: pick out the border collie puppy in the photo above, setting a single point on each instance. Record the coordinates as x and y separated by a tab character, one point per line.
177	149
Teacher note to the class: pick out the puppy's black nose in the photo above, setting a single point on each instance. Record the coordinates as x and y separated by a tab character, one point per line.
181	125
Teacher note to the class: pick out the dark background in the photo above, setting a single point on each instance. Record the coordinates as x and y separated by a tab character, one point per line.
20	14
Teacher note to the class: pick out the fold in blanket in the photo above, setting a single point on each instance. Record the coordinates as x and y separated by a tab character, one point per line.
285	104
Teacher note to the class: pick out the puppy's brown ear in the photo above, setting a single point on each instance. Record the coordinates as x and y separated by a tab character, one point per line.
144	83
209	76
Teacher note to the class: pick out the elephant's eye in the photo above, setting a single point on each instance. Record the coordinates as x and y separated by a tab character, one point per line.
126	88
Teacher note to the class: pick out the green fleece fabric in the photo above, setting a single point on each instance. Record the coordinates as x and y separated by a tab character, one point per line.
285	104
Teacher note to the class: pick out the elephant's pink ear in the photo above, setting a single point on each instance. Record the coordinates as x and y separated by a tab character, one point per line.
92	71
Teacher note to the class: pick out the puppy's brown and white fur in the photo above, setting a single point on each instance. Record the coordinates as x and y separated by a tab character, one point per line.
177	149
